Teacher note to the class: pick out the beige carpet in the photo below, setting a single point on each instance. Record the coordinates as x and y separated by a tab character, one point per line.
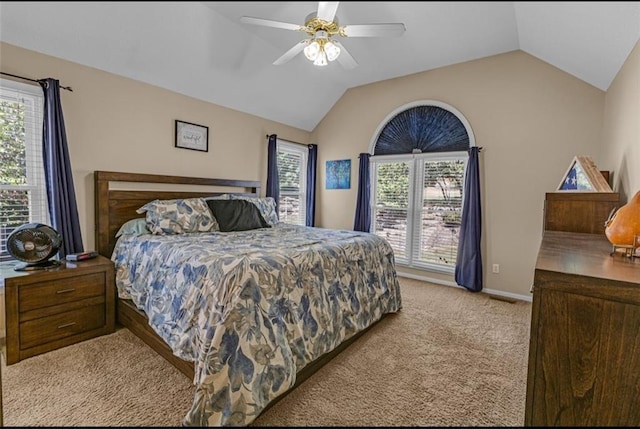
449	358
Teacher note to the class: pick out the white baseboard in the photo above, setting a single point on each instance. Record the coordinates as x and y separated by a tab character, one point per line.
449	283
427	279
528	298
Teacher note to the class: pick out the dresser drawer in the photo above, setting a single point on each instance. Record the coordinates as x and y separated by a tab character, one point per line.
46	329
60	291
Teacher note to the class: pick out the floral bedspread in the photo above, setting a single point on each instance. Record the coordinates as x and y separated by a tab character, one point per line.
252	308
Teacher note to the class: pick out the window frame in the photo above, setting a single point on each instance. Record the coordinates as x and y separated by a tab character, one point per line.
418	209
303	152
414	209
388	159
33	99
372	150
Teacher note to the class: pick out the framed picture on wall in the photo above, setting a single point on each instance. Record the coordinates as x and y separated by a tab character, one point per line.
192	136
339	174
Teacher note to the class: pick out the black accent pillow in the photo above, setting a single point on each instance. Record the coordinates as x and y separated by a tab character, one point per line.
237	215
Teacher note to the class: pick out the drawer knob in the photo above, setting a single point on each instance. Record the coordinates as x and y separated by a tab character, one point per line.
66	325
65	290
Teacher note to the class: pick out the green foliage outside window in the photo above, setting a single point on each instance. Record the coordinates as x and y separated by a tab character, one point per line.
289	171
393	182
13	170
445	176
393	185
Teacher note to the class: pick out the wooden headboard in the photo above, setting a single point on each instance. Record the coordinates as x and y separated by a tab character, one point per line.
113	207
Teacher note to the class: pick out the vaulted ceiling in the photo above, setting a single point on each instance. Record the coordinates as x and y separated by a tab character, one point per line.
201	49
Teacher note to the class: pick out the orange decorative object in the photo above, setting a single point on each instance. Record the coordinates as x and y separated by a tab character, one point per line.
624	224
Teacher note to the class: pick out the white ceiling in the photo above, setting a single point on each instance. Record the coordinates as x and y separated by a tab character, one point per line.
200	49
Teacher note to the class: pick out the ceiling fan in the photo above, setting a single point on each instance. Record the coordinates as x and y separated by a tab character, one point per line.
322	26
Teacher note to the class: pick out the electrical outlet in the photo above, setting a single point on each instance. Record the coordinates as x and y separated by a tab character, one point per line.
496	268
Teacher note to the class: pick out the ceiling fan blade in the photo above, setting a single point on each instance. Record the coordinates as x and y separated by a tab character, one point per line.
345	59
270	23
373	30
297	48
327	10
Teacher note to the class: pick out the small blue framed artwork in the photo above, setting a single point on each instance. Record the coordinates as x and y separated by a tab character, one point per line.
339	174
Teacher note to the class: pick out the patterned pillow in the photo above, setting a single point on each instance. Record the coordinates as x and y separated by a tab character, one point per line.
179	216
266	206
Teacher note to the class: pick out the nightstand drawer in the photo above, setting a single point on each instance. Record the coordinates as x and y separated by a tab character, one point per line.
60	291
44	310
47	329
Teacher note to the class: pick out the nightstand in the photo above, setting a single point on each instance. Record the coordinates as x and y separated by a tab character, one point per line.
48	309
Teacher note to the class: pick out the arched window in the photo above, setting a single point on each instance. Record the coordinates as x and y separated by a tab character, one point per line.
417	180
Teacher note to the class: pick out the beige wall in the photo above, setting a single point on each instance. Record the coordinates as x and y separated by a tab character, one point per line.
530	118
119	124
620	144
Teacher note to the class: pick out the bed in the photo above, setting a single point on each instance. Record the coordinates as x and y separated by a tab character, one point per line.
247	315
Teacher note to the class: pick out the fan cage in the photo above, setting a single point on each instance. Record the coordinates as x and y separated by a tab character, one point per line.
33	243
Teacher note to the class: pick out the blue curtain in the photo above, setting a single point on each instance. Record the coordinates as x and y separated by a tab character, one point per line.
363	208
61	196
468	271
273	180
312	160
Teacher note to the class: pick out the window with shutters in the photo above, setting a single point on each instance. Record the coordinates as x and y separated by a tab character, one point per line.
292	174
417	183
23	196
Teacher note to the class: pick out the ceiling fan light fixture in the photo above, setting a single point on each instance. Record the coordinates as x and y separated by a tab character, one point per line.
321	60
312	50
332	50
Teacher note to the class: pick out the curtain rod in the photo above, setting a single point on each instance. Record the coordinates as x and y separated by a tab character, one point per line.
288	141
479	150
68	88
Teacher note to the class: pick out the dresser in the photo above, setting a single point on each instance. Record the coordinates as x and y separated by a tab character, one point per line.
48	309
584	350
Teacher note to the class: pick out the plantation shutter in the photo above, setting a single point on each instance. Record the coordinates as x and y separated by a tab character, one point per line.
417	207
439	210
391	210
292	171
23	196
